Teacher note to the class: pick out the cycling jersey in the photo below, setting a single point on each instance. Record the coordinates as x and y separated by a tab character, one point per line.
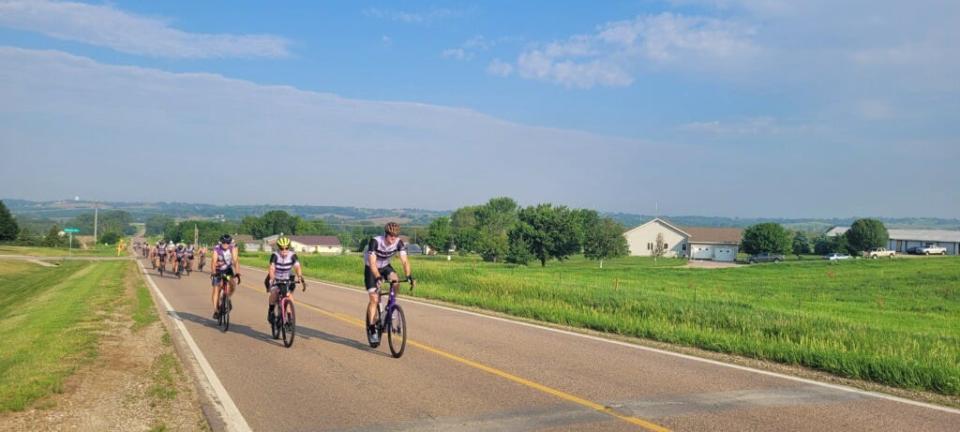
378	246
224	257
283	265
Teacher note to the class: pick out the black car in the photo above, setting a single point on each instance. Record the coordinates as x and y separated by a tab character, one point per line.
763	257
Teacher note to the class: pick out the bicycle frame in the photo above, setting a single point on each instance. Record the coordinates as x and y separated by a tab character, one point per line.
284	289
391	302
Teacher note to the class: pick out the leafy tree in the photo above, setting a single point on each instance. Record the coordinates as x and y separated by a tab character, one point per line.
867	234
313	227
659	247
276	222
26	237
110	238
53	238
518	251
603	239
466	232
585	220
766	237
494	221
439	234
157	223
824	245
108	220
8	225
549	232
801	244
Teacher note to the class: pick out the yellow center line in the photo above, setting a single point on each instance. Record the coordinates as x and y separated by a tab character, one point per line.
506	375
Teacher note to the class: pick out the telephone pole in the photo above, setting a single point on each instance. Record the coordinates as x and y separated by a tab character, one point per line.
95	211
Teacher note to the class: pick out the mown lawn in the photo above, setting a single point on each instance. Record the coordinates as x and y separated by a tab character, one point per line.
895	322
99	250
48	323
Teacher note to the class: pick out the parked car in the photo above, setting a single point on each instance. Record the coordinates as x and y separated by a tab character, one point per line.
763	257
837	256
879	253
929	249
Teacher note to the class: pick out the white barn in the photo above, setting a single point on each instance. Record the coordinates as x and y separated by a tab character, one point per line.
703	243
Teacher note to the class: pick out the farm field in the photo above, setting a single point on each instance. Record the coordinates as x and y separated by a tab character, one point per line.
895	322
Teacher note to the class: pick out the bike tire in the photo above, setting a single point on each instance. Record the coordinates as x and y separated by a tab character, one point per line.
289	327
275	325
396	331
224	312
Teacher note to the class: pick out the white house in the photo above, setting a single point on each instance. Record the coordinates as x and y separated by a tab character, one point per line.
903	239
316	244
247	243
643	239
717	244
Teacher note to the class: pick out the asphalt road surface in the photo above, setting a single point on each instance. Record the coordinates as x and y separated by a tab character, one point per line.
468	372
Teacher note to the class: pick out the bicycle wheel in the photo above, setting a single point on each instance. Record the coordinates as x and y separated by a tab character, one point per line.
289	327
396	331
224	312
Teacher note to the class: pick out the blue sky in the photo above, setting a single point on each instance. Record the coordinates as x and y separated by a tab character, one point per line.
711	107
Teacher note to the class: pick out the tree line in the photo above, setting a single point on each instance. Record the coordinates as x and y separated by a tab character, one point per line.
864	235
112	225
501	230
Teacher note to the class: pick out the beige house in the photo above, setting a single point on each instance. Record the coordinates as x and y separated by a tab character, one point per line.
643	239
703	243
316	244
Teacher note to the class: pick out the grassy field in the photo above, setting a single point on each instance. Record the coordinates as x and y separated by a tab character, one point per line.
99	250
895	322
49	317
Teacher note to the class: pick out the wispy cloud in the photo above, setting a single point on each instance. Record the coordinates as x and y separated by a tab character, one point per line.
413	17
470	47
499	68
107	26
612	55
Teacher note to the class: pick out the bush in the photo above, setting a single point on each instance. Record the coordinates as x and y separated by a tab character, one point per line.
867	234
110	238
766	237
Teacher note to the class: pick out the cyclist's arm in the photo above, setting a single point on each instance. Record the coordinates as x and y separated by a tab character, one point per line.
406	264
372	263
236	260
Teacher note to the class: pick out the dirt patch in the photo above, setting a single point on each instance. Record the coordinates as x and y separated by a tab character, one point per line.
136	383
710	264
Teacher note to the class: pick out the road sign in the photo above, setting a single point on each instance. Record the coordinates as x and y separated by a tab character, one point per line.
71	230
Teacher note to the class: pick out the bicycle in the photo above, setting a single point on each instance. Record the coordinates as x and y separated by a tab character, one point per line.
161	263
391	319
284	322
224	306
179	266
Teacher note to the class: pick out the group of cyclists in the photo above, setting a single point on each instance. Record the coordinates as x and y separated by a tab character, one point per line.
285	266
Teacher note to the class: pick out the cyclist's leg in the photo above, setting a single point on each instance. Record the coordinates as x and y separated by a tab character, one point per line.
373	293
215	292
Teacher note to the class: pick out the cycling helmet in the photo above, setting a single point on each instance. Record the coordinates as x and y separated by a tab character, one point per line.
226	239
391	228
283	243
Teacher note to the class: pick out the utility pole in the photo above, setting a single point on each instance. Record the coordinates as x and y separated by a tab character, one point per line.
95	211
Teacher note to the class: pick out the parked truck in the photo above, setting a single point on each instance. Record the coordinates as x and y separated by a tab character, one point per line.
879	253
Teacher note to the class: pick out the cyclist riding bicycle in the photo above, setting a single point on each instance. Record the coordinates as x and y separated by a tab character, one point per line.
181	252
189	255
282	262
377	266
225	263
161	253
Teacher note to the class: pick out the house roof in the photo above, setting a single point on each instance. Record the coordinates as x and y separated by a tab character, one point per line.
710	235
663	221
314	240
244	238
945	236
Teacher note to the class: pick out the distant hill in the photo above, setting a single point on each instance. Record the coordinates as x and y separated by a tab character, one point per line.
65	209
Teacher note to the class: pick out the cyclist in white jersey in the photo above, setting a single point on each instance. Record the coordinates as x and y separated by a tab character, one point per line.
377	266
283	262
225	262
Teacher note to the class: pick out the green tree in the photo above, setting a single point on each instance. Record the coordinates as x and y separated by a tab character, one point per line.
110	238
603	239
518	251
157	223
26	237
867	234
766	237
439	234
108	220
549	232
278	221
8	225
313	227
494	221
585	220
801	244
53	238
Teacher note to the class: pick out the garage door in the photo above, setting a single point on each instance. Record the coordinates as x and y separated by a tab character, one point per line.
725	253
702	252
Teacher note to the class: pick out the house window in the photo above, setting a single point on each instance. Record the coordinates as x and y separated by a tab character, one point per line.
666	246
684	247
649	246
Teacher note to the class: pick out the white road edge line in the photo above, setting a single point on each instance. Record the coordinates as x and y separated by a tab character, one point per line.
664	352
229	412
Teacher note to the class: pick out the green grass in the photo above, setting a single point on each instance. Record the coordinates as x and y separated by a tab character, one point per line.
48	324
143	313
98	251
895	322
164	372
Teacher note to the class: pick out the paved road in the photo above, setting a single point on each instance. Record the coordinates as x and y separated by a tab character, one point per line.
465	372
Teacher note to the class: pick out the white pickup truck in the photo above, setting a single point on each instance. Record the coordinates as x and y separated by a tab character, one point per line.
879	253
932	250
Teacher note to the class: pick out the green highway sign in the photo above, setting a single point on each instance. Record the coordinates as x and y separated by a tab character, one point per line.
71	230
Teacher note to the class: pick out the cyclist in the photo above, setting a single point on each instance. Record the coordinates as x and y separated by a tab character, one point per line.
190	252
171	255
225	262
161	255
181	254
281	263
377	266
203	258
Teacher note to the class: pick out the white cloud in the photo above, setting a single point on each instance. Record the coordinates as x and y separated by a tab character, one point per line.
457	54
104	25
612	55
413	17
748	126
386	40
72	111
499	68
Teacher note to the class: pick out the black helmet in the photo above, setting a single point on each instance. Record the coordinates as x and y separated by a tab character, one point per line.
226	239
